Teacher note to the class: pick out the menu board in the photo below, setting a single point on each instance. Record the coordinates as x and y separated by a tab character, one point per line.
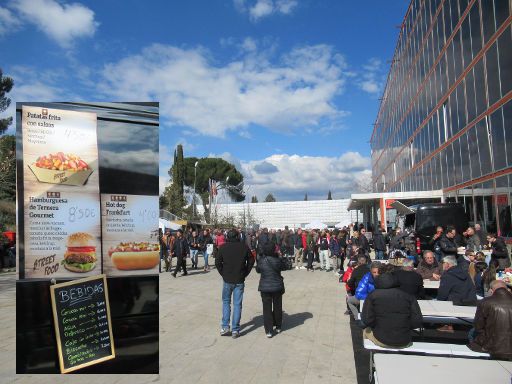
81	315
61	193
130	234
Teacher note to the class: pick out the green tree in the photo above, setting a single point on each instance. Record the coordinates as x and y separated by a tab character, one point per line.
254	199
306	197
329	196
6	84
172	198
270	198
224	173
8	168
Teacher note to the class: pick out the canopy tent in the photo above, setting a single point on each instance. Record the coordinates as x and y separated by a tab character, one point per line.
342	224
316	225
166	224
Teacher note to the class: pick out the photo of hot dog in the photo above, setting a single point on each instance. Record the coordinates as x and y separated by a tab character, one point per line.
134	255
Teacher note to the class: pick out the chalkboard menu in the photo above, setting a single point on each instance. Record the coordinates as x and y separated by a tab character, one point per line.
83	328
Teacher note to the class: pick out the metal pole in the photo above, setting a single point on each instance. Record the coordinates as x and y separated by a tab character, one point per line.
194	198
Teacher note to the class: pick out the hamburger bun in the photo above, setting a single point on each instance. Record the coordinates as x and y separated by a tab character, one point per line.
81	239
80	256
135	260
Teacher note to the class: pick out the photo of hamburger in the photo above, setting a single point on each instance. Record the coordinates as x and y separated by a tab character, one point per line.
81	254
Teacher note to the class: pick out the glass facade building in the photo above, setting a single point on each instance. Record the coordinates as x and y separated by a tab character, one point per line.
445	119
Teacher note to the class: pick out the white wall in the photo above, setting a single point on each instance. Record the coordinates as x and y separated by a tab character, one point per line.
294	214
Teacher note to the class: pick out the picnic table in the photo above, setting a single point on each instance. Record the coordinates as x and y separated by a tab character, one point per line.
431	284
434	369
446	312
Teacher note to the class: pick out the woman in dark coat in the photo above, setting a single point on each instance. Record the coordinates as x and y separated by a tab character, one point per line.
271	287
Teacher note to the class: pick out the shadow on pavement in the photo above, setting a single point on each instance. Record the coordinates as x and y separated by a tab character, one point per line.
289	322
361	355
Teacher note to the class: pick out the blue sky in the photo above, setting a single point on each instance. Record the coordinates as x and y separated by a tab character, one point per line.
286	89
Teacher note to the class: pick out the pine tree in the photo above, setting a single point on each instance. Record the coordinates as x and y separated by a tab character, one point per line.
254	199
270	198
329	196
306	197
6	84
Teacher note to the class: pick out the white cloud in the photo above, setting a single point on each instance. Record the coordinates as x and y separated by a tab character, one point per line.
8	21
291	92
372	77
289	177
262	8
60	21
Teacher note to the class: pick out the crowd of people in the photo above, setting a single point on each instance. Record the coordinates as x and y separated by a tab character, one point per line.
467	277
389	285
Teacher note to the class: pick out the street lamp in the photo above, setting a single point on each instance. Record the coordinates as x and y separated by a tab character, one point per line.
194	199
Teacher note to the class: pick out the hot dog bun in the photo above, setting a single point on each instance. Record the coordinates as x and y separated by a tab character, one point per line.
135	260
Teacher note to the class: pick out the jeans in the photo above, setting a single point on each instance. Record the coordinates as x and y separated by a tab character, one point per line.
205	256
353	305
193	256
379	255
324	259
238	295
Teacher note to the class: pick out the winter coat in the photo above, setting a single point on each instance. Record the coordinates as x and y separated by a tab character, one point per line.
193	243
220	240
323	243
204	241
365	287
390	312
447	246
500	252
357	275
297	241
456	285
473	243
426	271
234	262
346	278
180	247
493	325
270	269
335	246
379	242
397	241
410	282
364	244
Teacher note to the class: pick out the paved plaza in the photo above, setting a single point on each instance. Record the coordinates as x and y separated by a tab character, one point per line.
314	347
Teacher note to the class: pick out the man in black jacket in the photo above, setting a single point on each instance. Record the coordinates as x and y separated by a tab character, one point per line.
409	281
379	243
180	250
447	244
456	285
390	314
363	242
499	250
234	263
